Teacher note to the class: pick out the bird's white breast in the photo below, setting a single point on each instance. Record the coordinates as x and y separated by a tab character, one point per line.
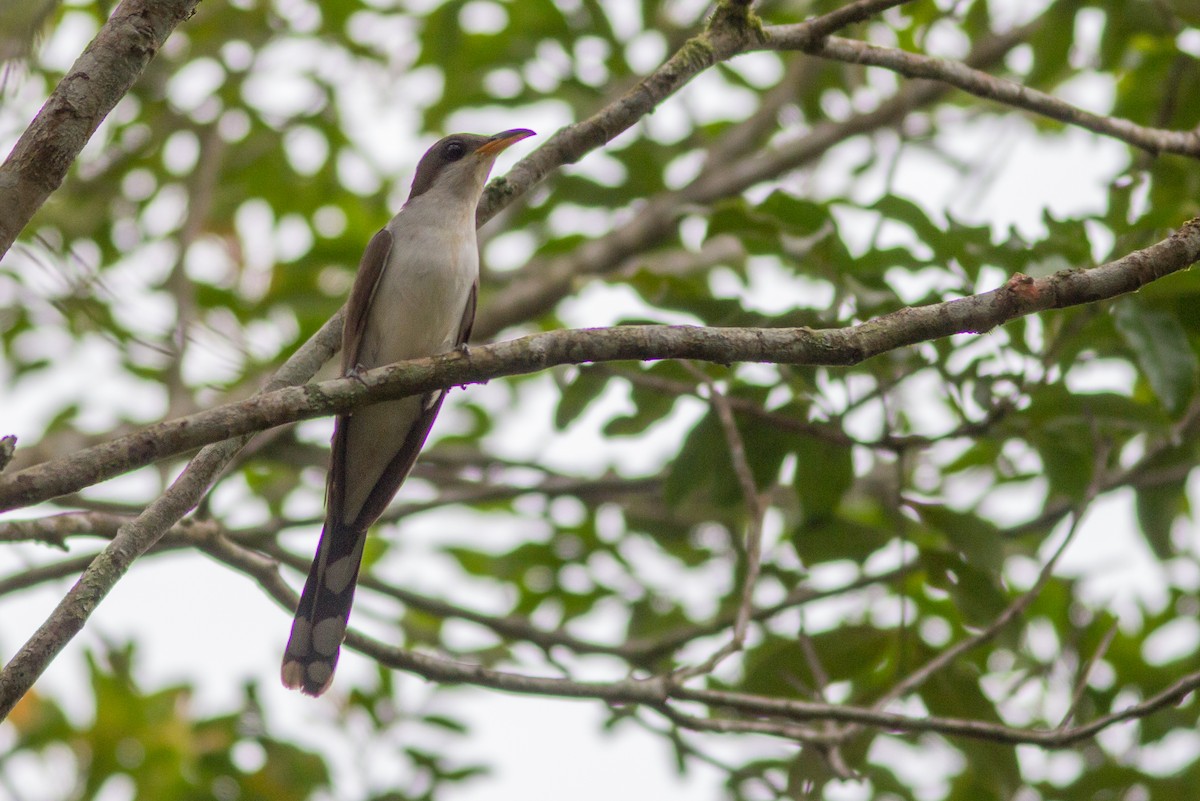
417	310
418	305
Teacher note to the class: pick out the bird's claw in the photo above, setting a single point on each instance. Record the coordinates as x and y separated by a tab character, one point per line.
465	350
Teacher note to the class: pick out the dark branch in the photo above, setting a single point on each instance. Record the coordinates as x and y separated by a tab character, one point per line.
1019	297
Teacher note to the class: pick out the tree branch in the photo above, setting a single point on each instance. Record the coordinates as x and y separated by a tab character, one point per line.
83	98
56	529
1020	296
733	30
779	717
661	693
989	87
138	536
543	282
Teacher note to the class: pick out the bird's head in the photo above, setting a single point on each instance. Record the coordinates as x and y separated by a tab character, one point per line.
458	165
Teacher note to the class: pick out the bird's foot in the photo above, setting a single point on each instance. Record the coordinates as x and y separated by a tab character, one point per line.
465	350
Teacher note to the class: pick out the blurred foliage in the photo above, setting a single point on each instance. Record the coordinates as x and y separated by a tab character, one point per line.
215	221
150	745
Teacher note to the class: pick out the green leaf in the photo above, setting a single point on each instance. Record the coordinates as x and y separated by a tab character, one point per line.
577	395
1159	504
979	540
1162	351
824	472
977	593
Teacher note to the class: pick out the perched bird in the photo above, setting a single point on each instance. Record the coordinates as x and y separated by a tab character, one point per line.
414	296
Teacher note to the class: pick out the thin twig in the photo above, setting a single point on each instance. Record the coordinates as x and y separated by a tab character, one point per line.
790	731
32	576
756	510
1012	611
989	87
1086	671
778	716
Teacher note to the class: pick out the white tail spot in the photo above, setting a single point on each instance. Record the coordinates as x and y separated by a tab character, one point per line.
320	673
327	636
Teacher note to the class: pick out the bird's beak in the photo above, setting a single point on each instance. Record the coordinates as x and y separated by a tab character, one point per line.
500	141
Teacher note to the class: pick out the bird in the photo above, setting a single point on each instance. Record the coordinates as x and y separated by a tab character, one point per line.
414	296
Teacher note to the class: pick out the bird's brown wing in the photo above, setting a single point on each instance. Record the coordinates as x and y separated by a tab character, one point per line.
366	281
468	320
324	609
370	270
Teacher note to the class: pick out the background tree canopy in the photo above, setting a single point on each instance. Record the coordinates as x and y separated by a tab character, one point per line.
897	505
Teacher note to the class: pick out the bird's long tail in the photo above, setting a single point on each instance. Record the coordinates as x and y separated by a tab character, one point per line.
324	610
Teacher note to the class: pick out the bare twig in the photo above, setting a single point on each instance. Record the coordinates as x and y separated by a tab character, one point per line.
732	31
1010	613
32	576
191	533
790	731
973	729
1013	610
774	716
981	84
756	510
1085	672
55	529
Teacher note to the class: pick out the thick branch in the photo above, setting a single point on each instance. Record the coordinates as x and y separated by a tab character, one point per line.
1019	297
83	98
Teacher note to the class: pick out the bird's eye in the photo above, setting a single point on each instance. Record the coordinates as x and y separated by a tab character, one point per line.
454	150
